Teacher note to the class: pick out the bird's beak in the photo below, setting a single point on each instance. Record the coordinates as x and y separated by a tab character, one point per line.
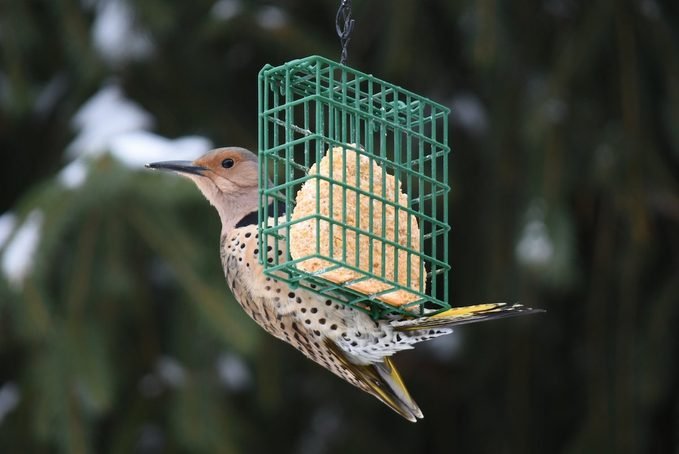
178	166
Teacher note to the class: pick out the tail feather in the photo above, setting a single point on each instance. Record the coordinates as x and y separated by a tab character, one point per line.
464	315
387	370
383	381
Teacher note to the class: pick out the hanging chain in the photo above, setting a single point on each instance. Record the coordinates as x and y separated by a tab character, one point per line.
344	25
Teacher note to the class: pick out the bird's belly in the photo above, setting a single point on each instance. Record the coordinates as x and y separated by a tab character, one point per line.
297	316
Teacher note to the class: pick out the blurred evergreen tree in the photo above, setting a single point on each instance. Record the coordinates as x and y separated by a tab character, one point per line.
565	171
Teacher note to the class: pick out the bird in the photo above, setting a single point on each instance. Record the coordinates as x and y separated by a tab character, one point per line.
346	341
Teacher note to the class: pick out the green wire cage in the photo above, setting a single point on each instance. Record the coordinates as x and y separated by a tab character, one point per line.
370	161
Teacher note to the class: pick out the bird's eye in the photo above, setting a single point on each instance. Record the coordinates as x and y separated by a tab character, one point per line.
227	163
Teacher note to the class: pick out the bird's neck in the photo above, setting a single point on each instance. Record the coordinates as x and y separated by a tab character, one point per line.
232	209
274	210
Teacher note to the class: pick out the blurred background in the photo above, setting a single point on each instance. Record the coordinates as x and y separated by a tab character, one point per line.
117	330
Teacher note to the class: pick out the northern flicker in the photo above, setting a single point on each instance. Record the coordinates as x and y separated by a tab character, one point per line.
346	341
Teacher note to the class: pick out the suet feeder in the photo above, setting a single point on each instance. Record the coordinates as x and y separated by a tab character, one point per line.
370	161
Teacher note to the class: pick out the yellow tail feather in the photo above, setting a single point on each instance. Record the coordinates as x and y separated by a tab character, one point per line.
383	381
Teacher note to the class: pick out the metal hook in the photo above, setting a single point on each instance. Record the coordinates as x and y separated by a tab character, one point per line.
344	25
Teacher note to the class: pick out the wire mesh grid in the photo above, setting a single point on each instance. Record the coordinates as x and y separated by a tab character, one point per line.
376	231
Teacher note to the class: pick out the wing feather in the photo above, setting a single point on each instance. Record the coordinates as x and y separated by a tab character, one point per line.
464	315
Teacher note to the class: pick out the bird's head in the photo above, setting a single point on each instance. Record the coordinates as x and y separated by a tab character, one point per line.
227	177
